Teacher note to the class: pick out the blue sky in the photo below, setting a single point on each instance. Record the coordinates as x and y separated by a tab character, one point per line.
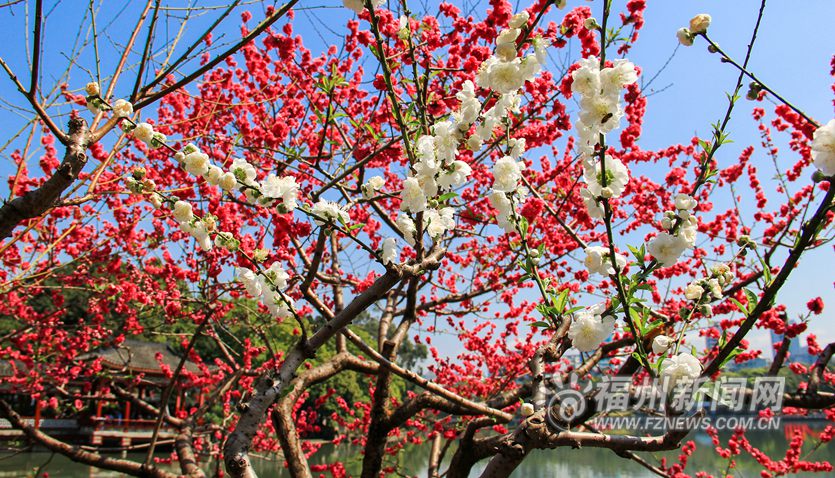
792	56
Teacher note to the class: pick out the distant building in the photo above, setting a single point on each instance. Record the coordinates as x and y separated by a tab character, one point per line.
797	352
749	364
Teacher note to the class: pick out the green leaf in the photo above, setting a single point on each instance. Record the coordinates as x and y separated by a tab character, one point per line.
523	227
541	324
447	196
752	299
562	300
739	305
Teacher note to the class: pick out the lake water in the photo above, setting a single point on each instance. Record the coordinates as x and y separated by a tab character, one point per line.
584	463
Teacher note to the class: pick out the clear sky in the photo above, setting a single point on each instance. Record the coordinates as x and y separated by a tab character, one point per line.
792	56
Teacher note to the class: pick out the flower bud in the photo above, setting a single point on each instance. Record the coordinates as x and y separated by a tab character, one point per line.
684	37
92	89
699	23
818	176
404	30
519	20
260	255
506	51
754	89
712	49
526	410
661	344
591	24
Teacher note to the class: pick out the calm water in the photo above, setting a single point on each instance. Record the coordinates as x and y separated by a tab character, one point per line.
584	463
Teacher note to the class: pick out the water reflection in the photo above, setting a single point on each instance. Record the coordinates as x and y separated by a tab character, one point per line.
584	463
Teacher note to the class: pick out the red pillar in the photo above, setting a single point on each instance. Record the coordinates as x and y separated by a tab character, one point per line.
127	414
37	414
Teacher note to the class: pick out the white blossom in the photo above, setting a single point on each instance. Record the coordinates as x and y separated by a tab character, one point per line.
358	5
589	329
601	113
197	163
446	138
504	208
92	89
617	177
586	79
715	288
598	262
693	291
456	176
507	173
517	147
684	36
227	181
823	148
200	232
699	23
439	221
213	175
226	241
390	253
501	76
407	227
666	248
526	410
519	20
283	188
374	183
540	46
250	281
244	171
275	303
329	211
619	75
508	36
685	202
144	132
683	367
723	274
122	108
274	277
183	211
593	207
661	344
412	196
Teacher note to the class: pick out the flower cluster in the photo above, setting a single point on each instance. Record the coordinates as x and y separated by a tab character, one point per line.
506	73
267	286
598	260
708	288
325	211
600	112
698	24
679	232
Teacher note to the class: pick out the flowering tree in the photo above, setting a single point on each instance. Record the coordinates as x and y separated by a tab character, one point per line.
427	177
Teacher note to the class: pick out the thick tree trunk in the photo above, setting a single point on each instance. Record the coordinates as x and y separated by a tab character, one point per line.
378	429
